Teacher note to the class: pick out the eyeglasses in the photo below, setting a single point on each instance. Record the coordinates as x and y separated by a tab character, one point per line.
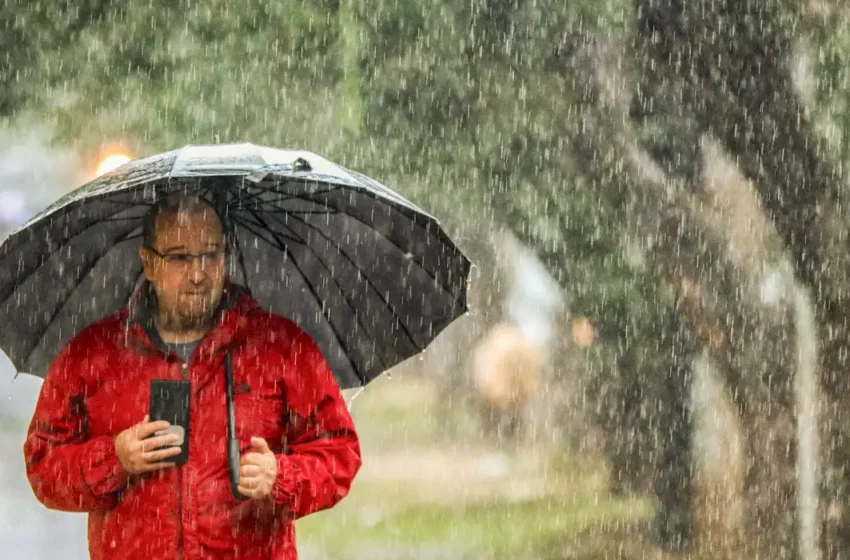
209	259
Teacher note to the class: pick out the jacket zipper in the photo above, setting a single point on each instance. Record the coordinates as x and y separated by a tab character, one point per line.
185	375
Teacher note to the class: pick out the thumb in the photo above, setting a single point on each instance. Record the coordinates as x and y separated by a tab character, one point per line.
260	445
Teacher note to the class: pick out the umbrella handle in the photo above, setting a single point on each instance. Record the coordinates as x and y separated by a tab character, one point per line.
233	458
233	464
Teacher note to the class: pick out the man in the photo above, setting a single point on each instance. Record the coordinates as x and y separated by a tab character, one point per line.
90	446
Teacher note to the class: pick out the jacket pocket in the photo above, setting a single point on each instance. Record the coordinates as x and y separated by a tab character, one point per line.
259	414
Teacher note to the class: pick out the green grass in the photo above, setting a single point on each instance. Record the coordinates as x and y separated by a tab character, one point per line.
420	496
402	411
497	529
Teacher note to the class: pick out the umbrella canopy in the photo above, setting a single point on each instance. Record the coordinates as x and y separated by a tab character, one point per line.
369	275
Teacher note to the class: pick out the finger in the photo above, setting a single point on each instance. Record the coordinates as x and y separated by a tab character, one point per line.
250	459
144	421
249	483
252	483
150	428
253	459
250	470
150	444
159	455
249	479
150	467
252	493
261	445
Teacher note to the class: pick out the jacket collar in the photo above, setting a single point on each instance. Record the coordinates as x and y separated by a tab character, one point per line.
236	302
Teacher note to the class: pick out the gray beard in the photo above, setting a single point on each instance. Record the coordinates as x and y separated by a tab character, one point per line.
177	322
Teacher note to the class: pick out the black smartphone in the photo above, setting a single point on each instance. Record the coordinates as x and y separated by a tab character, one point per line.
170	401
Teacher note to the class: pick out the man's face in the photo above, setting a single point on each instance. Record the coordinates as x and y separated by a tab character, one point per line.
186	267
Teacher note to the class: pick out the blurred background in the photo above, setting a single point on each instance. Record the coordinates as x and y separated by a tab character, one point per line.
654	193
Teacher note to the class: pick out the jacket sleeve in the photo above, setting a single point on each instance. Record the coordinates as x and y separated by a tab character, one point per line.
323	450
68	471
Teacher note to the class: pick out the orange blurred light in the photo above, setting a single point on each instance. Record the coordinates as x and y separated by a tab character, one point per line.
583	332
110	163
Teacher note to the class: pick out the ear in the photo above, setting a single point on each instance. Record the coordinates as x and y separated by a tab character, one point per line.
147	262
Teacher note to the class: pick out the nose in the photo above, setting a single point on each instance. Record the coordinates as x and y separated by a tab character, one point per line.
197	274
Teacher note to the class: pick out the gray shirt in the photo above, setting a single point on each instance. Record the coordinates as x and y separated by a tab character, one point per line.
185	350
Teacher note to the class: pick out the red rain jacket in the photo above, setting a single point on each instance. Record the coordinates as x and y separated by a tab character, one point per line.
284	392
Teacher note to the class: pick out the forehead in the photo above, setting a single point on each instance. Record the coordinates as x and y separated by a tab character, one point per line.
201	225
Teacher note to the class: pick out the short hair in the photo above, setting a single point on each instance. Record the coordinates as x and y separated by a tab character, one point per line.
187	204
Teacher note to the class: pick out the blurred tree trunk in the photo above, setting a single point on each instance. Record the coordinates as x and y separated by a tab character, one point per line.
769	404
737	59
641	403
717	295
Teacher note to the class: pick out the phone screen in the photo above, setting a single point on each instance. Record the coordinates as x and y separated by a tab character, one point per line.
170	400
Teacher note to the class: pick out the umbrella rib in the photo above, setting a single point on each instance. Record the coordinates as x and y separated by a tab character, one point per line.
386	197
253	229
325	313
306	198
390	204
129	204
412	258
117	201
81	278
313	291
345	298
263	202
348	258
118	219
231	231
368	187
454	296
59	246
240	256
283	198
375	289
302	212
343	292
378	188
262	223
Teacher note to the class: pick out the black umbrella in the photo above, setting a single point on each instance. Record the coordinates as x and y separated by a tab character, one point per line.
371	277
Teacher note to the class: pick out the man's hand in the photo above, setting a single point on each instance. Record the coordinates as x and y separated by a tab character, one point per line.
139	455
259	471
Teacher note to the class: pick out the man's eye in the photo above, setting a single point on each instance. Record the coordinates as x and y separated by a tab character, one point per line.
177	259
